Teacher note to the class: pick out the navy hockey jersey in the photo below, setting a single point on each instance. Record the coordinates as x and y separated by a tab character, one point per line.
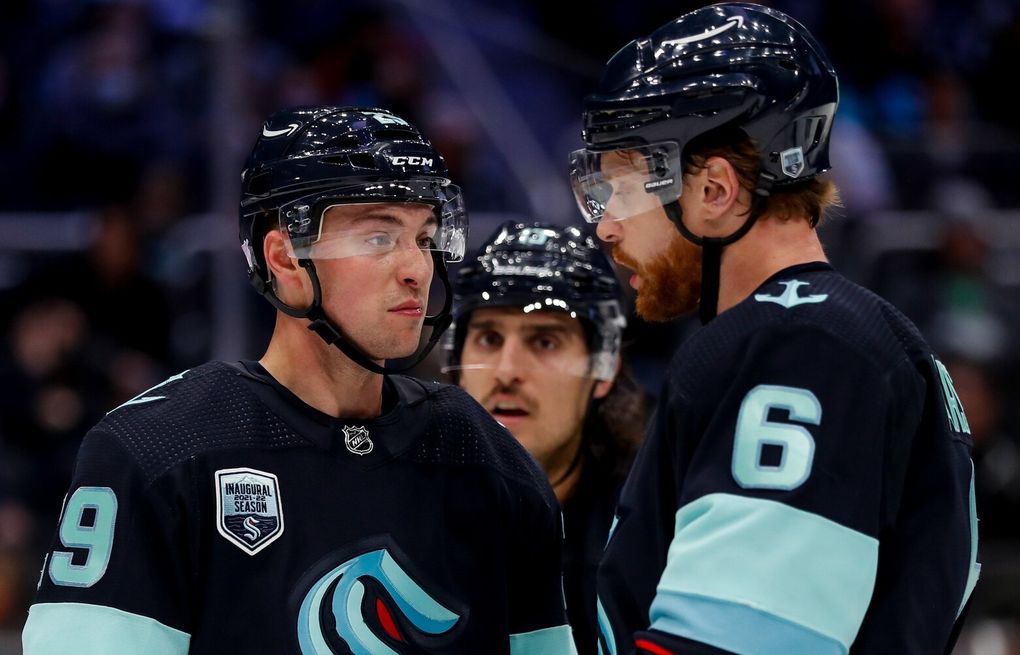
587	515
805	487
218	513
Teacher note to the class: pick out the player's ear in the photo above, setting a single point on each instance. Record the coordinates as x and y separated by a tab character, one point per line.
603	387
720	188
290	281
717	204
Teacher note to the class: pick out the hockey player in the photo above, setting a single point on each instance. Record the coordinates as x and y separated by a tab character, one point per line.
536	340
806	485
310	502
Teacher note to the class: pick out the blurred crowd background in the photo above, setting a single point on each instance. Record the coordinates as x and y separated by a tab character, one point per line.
124	125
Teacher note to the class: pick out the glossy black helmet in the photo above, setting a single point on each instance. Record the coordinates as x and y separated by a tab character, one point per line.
309	158
541	266
730	65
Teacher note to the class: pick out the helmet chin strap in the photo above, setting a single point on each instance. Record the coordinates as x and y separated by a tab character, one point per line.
330	332
712	247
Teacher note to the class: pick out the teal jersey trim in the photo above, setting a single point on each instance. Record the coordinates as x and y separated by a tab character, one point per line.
548	641
605	629
82	629
788	567
144	398
738	628
975	567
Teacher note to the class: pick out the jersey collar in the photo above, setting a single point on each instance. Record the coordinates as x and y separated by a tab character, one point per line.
403	405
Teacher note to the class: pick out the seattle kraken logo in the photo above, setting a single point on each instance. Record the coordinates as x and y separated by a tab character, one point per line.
790	298
361	596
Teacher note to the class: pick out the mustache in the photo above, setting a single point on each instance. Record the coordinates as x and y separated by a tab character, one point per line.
623	259
526	401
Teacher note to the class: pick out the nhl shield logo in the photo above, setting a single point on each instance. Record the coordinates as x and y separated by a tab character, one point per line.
792	161
248	508
357	440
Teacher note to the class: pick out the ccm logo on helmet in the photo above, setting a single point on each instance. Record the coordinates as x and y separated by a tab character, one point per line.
405	160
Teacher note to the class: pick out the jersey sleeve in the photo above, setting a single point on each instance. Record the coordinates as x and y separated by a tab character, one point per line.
115	579
790	480
538	623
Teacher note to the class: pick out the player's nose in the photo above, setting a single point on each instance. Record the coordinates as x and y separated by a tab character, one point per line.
415	267
609	229
509	362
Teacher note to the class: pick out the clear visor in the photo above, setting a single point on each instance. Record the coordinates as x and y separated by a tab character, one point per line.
618	184
541	344
365	223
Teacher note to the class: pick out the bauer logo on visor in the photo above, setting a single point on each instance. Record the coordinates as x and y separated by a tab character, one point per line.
617	184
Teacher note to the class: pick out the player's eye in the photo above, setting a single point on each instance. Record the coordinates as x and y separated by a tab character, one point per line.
624	188
545	343
489	339
380	240
426	242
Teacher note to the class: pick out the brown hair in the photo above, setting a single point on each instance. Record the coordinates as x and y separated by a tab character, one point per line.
615	425
809	198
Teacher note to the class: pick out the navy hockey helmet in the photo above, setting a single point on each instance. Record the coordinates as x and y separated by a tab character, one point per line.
548	267
731	65
308	159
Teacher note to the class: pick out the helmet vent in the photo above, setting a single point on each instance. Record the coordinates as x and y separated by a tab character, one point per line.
362	160
260	184
396	134
344	142
706	104
626	119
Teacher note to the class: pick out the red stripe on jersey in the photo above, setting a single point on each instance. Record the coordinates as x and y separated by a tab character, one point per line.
386	619
647	646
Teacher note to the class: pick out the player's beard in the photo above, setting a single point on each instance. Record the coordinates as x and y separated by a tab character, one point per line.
670	284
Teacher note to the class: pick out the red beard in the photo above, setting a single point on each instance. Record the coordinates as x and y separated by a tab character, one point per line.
670	284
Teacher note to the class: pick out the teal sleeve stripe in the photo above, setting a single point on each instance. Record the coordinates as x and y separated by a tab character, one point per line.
605	629
82	629
975	568
547	641
737	628
798	567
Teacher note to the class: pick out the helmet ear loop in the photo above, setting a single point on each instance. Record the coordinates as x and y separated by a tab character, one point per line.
326	329
440	321
591	410
588	423
331	334
266	289
444	313
712	247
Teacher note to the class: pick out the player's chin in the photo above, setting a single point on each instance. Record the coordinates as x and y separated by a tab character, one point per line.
659	308
407	345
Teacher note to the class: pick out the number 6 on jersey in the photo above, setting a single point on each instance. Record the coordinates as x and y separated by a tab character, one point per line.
755	431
